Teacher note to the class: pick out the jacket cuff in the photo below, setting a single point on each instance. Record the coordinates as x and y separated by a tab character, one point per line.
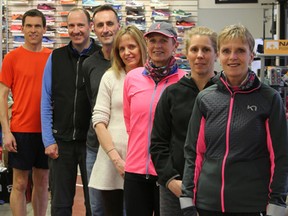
172	178
186	202
275	210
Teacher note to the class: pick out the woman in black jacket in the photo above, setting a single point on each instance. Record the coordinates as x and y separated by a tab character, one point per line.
173	113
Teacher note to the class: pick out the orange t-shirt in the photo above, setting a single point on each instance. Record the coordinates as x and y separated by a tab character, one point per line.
22	72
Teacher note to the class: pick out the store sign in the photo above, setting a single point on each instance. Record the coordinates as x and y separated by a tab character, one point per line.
276	47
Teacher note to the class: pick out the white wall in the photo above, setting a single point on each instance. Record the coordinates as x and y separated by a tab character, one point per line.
216	16
251	15
211	4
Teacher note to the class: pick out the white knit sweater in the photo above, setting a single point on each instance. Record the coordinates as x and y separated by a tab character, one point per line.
109	110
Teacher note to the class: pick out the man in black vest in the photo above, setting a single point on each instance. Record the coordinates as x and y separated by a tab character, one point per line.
65	113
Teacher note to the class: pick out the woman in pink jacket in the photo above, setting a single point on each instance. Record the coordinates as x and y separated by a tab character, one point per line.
143	87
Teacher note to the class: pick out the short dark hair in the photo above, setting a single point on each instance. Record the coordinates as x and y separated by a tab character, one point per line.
105	7
81	9
34	13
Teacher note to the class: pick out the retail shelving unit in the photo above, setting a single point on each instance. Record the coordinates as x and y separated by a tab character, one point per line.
63	6
263	57
282	89
4	27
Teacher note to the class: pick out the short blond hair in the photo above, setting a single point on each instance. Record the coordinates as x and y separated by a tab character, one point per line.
236	31
200	30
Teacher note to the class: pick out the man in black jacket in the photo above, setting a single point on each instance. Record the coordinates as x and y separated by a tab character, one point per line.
65	113
106	25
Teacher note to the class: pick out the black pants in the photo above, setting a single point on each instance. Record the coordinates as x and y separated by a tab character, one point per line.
141	195
113	202
214	213
63	173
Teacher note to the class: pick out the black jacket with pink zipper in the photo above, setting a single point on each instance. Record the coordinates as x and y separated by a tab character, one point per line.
237	149
170	125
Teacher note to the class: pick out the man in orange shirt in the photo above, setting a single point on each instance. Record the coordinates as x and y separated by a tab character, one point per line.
22	72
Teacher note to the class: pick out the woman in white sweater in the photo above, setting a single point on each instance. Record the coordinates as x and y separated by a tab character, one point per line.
129	52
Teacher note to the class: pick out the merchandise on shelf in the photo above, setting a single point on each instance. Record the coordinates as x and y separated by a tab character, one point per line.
62	30
160	15
181	13
184	24
45	7
16	17
63	13
50	20
180	56
135	15
113	3
63	24
47	40
15	27
18	39
68	2
90	3
277	75
157	4
133	3
140	24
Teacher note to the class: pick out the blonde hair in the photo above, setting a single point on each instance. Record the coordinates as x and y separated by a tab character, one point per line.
236	31
200	30
137	35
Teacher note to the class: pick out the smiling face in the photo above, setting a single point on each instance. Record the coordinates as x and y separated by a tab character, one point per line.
160	48
235	57
79	29
33	31
201	55
129	52
106	26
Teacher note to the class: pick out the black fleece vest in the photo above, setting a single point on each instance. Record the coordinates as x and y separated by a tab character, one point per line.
71	108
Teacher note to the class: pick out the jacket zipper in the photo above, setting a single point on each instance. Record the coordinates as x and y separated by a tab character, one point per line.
227	146
228	140
75	100
226	151
150	123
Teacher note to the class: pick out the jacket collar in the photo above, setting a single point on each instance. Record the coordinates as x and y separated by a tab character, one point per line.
84	52
251	82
